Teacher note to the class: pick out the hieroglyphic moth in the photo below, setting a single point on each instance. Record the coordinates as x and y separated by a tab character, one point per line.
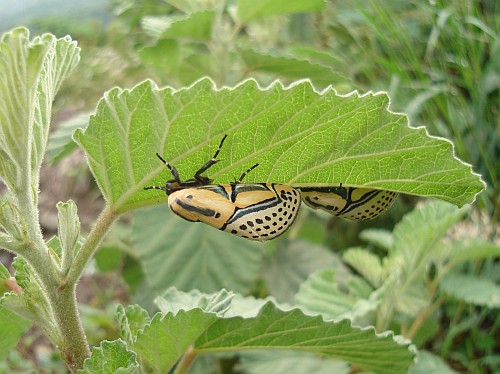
348	202
255	211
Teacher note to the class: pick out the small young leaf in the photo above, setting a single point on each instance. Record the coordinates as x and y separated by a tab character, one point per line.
472	289
132	320
110	357
12	326
174	300
190	256
249	10
31	302
69	232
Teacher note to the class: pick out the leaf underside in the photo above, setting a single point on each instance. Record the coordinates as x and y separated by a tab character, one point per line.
297	135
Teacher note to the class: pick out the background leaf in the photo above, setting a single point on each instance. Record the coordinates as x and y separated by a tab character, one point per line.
472	289
189	255
248	10
299	137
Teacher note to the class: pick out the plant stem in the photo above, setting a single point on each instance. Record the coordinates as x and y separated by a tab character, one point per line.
186	360
102	225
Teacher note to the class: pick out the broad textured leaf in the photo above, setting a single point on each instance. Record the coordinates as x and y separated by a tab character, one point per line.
297	135
110	357
286	268
276	329
166	338
12	326
472	289
189	255
292	68
248	10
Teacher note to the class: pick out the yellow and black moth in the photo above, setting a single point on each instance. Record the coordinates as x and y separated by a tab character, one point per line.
255	211
348	202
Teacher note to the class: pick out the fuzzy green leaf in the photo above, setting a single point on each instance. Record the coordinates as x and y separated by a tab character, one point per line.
110	357
32	303
190	255
69	232
298	136
132	320
12	326
248	10
415	240
472	289
30	75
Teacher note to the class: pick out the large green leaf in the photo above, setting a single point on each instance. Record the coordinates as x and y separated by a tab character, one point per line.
178	253
297	135
165	338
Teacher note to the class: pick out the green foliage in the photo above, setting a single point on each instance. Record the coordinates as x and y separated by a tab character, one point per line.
203	328
439	62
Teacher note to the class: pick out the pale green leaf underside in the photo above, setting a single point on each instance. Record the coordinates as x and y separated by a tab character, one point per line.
297	135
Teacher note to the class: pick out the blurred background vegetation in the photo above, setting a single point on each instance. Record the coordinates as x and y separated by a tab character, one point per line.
438	60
